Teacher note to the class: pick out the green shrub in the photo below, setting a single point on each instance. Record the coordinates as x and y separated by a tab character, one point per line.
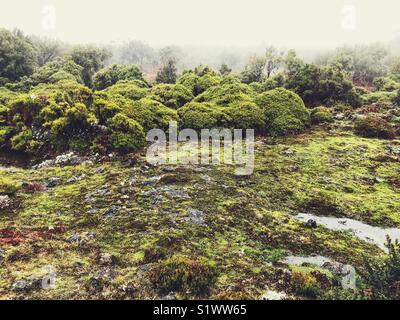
246	115
206	115
6	95
105	109
374	97
8	186
5	134
70	92
112	74
373	127
227	94
152	114
61	76
171	95
24	141
65	121
385	84
382	275
190	80
127	135
207	81
27	106
129	89
321	115
183	274
284	111
4	111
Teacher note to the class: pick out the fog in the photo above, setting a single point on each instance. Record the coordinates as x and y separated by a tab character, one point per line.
210	31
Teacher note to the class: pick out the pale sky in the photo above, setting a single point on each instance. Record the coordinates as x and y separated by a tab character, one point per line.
285	23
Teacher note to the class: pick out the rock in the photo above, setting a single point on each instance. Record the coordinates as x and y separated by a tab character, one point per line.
128	289
28	284
339	116
174	193
93	211
311	224
273	295
107	259
113	211
62	160
76	178
74	238
288	152
99	170
195	216
5	202
151	181
169	296
102	278
53	182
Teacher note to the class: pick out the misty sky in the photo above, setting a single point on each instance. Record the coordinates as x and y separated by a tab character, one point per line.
284	23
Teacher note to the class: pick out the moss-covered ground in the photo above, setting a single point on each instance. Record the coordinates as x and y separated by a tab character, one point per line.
115	233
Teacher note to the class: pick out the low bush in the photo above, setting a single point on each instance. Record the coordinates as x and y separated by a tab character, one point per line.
126	134
8	186
227	94
246	115
152	114
171	95
182	274
206	115
372	126
129	89
285	112
321	115
112	74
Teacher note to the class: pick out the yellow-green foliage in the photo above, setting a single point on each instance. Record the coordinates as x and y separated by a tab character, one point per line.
182	274
63	119
152	114
5	133
67	91
8	186
321	115
129	89
126	134
285	112
3	114
24	141
105	109
171	95
190	80
246	115
205	115
226	94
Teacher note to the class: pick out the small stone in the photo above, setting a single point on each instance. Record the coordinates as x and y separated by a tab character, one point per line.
311	224
129	289
107	259
195	216
151	181
53	182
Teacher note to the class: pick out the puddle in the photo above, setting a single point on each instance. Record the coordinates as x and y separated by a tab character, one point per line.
371	234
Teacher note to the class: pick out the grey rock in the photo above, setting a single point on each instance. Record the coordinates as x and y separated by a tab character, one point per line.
28	284
53	182
195	216
311	224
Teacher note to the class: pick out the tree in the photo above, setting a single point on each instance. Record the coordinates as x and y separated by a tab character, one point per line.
273	60
224	69
17	56
47	50
137	52
91	59
254	70
112	74
167	73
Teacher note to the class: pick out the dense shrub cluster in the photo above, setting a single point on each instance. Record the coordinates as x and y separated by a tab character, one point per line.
72	101
112	74
285	112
